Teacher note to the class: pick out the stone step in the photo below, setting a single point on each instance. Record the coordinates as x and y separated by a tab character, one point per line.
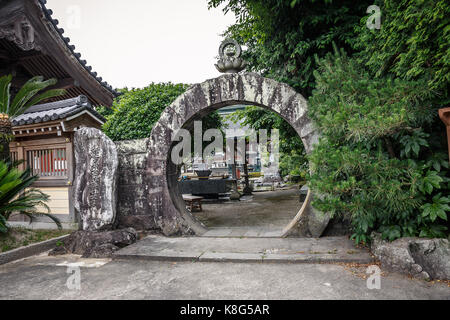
242	232
261	250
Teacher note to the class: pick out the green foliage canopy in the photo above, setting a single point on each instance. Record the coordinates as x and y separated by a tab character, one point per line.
375	162
283	36
382	158
413	43
137	110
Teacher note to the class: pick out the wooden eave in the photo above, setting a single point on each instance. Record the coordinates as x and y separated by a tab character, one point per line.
45	51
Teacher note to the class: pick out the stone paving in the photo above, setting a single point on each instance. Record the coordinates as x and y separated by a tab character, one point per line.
44	277
247	232
275	250
258	214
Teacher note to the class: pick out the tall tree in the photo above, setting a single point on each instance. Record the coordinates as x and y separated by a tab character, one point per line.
376	163
381	158
282	36
413	42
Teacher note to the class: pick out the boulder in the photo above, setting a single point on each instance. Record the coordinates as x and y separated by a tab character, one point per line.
94	244
420	258
102	251
138	222
303	193
95	184
433	256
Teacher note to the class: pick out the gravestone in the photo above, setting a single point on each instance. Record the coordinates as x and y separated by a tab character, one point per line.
95	183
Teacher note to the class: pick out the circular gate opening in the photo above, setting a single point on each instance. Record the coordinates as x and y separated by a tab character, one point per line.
248	180
249	89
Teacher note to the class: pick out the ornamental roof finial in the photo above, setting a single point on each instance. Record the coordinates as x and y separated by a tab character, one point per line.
230	60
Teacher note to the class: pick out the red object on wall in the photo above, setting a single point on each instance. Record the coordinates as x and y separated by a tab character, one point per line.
444	114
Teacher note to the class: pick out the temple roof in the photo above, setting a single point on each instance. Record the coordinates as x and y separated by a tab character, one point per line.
56	111
31	44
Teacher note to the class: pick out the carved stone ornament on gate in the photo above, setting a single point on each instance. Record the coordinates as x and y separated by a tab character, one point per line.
230	60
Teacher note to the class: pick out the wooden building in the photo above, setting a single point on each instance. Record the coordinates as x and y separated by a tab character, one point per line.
31	44
44	139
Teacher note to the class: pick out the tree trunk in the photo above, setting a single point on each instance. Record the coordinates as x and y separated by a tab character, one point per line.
5	137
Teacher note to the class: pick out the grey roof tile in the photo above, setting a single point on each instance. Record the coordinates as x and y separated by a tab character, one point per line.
55	111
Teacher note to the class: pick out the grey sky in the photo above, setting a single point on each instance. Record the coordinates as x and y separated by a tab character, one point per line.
135	42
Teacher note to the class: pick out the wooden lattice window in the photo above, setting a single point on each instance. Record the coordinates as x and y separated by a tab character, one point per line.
48	163
14	156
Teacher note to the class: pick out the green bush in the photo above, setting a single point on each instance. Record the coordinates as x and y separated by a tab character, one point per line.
137	110
375	162
383	154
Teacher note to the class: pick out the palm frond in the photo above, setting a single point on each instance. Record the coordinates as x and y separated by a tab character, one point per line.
44	96
30	94
5	95
32	217
18	196
27	92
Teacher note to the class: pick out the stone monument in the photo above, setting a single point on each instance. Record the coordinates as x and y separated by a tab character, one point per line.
95	199
95	183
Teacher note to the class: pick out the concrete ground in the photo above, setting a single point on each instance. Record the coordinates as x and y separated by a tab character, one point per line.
43	277
263	250
258	214
268	268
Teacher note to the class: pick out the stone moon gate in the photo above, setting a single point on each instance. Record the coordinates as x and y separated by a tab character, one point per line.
163	199
134	183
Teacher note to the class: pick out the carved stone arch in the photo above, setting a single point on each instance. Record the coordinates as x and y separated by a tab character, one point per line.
163	197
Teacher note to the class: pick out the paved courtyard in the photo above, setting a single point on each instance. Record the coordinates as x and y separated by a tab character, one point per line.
44	277
263	214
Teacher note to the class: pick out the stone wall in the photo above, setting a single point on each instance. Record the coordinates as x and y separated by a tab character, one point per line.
132	193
